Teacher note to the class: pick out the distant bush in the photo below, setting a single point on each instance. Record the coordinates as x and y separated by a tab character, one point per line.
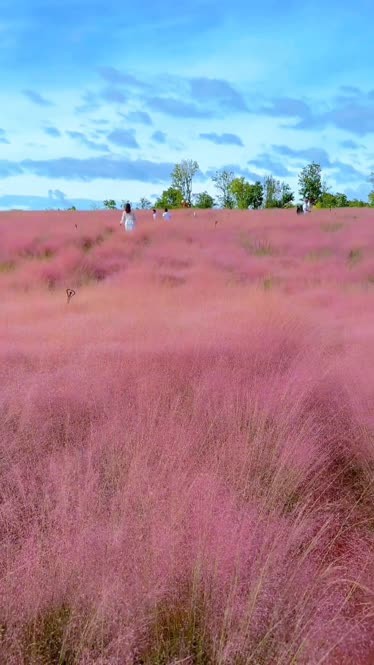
110	204
203	200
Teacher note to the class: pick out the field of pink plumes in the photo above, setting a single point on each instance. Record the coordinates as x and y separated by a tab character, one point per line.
187	446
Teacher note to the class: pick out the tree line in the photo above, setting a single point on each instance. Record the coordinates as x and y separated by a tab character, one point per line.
237	192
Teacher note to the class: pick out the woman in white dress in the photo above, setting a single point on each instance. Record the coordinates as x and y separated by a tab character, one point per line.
166	215
128	218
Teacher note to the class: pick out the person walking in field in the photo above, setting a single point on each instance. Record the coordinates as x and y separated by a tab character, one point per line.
166	215
306	206
154	214
128	218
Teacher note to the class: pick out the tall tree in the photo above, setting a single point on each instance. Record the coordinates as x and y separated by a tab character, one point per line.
223	181
204	200
310	183
271	192
182	177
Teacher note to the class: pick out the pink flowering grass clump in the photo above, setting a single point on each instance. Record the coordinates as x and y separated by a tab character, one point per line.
186	474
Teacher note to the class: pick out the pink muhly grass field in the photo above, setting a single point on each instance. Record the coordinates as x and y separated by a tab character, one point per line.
187	446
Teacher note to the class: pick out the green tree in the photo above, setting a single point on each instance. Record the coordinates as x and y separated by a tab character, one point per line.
144	204
204	200
277	194
286	195
245	194
110	204
341	200
371	194
241	192
223	181
356	203
271	191
329	200
257	195
182	177
170	198
310	183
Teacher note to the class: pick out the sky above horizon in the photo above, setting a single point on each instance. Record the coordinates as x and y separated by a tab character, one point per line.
100	101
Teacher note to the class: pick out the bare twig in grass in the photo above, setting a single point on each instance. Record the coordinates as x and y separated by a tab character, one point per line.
70	293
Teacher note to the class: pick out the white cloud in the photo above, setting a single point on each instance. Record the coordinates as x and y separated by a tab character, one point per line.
24	124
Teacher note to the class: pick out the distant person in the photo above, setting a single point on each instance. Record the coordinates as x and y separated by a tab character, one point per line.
306	206
166	215
154	214
128	218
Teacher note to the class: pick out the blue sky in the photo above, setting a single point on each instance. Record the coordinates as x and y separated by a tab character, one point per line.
100	100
